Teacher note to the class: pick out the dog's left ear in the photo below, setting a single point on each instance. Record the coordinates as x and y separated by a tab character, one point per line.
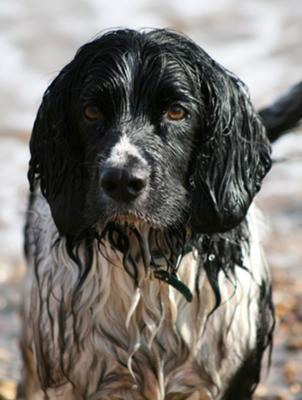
233	153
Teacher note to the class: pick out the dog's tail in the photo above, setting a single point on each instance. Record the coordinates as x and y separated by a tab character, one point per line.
284	114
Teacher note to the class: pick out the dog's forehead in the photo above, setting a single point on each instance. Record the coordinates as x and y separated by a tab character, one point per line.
142	53
121	72
137	74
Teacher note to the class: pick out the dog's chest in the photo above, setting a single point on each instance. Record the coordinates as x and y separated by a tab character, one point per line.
108	339
111	337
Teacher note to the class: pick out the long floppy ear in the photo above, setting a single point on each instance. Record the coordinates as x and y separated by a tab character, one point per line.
233	153
56	157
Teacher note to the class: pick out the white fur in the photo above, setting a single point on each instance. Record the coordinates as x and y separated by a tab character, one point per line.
122	150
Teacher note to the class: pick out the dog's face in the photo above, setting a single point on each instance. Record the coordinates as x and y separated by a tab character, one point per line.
146	126
137	122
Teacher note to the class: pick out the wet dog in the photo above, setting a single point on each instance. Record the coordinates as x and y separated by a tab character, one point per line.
145	277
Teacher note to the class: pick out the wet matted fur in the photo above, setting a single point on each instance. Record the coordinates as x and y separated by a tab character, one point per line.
145	273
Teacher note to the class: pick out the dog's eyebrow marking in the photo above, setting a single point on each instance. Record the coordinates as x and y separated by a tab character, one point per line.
122	150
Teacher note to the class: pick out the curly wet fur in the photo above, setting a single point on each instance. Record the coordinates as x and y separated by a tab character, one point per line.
144	298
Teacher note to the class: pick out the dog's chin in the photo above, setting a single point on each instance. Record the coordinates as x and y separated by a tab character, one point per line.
134	219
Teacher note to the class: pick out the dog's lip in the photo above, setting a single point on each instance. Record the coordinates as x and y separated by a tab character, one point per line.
128	217
132	218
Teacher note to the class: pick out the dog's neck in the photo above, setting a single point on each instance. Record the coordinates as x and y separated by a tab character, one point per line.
145	252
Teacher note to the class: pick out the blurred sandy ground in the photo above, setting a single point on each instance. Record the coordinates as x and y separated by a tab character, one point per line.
261	41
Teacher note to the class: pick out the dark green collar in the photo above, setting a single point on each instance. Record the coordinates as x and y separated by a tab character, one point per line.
171	277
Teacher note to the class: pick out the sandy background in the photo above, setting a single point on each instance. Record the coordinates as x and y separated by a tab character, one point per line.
261	41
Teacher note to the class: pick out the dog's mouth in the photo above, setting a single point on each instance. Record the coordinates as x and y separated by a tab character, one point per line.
135	219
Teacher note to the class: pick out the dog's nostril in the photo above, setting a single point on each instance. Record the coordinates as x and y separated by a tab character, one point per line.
135	185
109	185
122	185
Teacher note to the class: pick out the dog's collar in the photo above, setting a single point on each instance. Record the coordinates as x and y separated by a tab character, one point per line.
171	277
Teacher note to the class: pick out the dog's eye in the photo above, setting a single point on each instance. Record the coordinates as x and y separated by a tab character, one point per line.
176	113
93	113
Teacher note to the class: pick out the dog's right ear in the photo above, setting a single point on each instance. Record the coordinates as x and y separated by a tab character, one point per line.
56	162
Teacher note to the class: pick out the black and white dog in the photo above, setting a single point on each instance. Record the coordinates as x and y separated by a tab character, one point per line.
145	277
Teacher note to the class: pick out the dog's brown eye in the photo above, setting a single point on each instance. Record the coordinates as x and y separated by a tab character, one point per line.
93	113
176	113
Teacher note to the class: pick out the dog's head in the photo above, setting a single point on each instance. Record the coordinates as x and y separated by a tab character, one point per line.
146	126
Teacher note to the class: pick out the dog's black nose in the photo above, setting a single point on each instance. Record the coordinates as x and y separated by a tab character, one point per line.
123	185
